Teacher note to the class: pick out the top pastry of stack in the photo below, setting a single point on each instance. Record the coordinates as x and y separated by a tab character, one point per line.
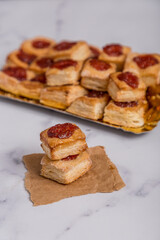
108	84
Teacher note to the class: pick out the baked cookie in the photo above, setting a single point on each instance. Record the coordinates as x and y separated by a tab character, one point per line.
95	74
90	106
115	53
37	46
78	51
63	140
146	65
20	59
10	78
41	64
64	72
126	87
127	114
61	97
66	170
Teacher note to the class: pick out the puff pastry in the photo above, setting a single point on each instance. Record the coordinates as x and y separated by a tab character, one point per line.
66	171
63	140
90	106
95	51
10	78
126	87
95	74
37	46
64	72
127	114
78	51
115	53
20	58
146	65
61	97
41	64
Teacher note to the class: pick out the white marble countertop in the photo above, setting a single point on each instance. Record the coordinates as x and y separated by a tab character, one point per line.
132	213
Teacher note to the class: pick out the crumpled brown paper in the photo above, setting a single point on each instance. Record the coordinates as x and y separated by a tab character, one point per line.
102	177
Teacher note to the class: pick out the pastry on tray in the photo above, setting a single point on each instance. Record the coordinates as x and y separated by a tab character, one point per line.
64	72
115	53
95	74
20	58
10	78
37	46
78	51
41	64
127	114
63	140
126	87
90	106
147	66
67	169
61	97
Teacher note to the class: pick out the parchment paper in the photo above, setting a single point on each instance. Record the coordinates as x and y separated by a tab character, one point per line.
102	177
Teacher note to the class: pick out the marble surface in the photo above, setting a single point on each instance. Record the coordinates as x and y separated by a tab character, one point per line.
130	214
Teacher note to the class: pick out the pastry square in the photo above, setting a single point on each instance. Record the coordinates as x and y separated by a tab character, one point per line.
64	72
127	114
41	64
33	87
78	51
61	97
146	65
66	171
115	53
10	78
90	106
37	46
95	74
95	51
20	58
126	87
63	140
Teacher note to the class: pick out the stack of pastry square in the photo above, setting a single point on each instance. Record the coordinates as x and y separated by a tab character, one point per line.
66	157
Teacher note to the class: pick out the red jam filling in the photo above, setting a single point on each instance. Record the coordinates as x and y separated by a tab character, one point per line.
126	104
71	157
95	94
99	65
62	64
45	62
40	44
16	72
145	61
39	78
25	57
129	78
62	131
64	45
94	51
113	50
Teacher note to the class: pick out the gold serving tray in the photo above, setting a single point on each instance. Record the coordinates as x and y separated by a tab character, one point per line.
151	119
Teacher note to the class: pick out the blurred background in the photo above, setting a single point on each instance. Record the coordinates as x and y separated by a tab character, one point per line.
134	23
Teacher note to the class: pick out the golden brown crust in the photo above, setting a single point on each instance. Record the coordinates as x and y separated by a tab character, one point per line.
66	172
13	60
30	89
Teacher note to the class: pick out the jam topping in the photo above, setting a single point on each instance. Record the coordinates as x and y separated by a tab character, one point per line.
71	157
126	104
40	44
95	51
129	78
64	45
39	78
64	64
16	72
95	94
113	50
25	57
145	61
62	131
45	62
99	65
